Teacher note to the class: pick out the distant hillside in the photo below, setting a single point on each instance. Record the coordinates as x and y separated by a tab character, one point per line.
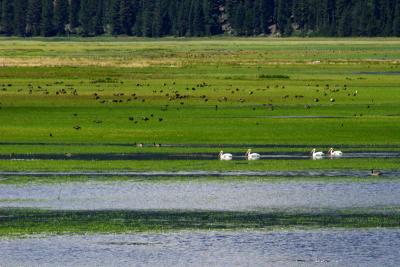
155	18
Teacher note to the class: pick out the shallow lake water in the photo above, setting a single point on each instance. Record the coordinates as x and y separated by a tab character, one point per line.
190	195
378	247
304	173
193	156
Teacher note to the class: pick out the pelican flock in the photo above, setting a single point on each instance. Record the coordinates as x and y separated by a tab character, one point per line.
255	156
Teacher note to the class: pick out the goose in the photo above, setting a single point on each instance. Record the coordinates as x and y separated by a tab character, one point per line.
252	156
375	173
317	155
225	156
334	153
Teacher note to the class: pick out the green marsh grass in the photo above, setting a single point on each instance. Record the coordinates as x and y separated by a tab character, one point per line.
29	221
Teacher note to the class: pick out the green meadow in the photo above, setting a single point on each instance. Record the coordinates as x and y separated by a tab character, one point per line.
78	96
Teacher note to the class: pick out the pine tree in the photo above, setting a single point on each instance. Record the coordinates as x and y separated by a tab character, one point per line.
239	19
360	18
126	16
300	14
283	17
47	27
115	17
326	18
20	17
373	26
74	15
183	18
34	15
86	18
396	20
7	17
267	14
212	15
99	19
387	7
147	17
196	19
173	17
157	19
166	21
248	18
60	16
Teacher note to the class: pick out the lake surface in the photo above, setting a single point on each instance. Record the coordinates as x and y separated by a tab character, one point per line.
283	248
190	195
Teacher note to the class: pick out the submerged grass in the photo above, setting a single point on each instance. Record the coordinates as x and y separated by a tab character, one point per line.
26	221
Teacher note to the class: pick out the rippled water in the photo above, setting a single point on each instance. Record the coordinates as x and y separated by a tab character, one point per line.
190	156
304	173
289	248
234	196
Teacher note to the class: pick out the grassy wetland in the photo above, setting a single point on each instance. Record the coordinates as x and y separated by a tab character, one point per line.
141	105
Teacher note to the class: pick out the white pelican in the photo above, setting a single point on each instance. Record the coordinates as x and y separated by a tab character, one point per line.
334	153
225	156
317	155
252	156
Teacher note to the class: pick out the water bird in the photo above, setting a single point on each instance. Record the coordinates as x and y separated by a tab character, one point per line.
252	156
333	153
317	155
226	156
375	173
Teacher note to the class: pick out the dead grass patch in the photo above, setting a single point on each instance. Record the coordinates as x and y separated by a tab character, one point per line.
82	62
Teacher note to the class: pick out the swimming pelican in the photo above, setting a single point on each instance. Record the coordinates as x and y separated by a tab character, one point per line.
252	156
225	156
334	153
317	155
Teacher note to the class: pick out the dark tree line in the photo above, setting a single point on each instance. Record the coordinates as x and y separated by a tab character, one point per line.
154	18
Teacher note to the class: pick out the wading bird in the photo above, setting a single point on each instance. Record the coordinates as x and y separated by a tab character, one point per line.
252	156
226	156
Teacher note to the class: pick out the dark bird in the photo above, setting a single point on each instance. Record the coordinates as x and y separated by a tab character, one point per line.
77	127
375	173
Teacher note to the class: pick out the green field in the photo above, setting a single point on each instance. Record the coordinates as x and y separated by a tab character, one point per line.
73	96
